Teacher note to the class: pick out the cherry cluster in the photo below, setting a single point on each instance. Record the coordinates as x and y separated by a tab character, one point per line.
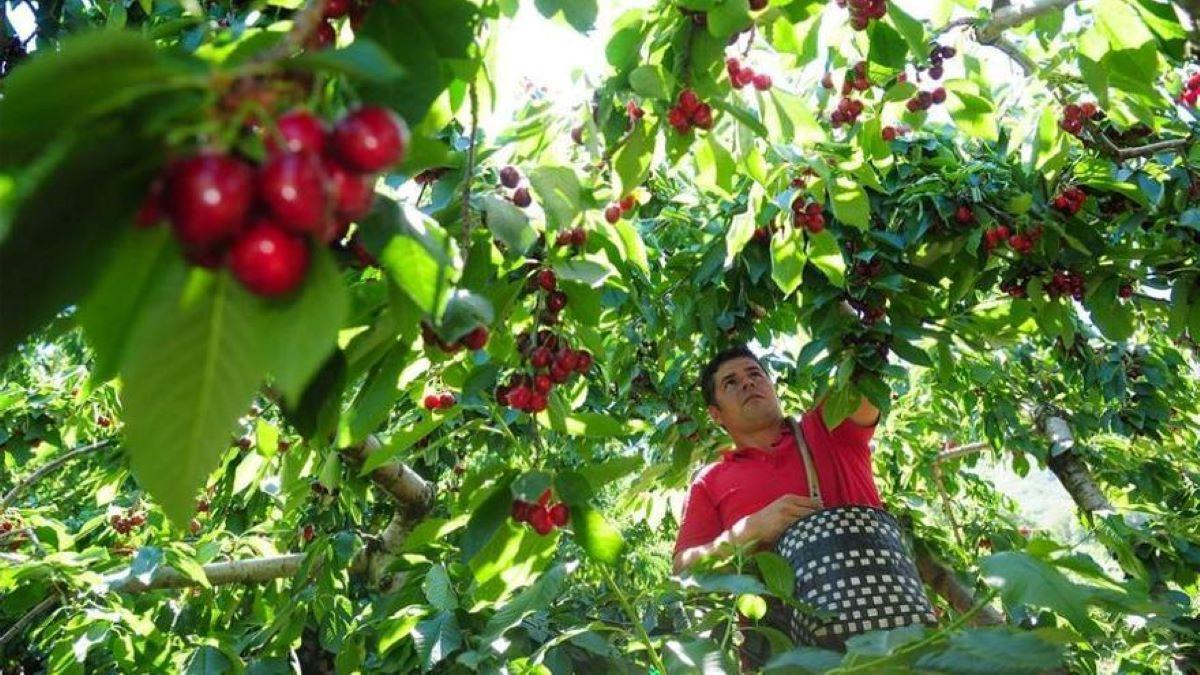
994	236
689	112
1023	242
1066	282
576	236
1069	201
550	354
1016	288
924	100
475	340
1191	90
869	312
312	184
126	524
807	214
443	401
936	55
510	178
848	108
866	271
847	112
613	212
740	76
14	540
542	516
556	300
862	12
1075	114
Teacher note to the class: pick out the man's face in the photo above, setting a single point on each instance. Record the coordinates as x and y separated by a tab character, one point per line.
745	396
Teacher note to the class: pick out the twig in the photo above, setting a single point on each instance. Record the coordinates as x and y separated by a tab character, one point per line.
1013	52
468	170
37	475
961	451
633	618
941	488
1011	17
1152	148
15	629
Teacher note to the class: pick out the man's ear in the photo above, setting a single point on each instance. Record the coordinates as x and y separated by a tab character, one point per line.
715	413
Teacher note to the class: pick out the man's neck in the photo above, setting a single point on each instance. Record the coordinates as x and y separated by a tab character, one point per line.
760	438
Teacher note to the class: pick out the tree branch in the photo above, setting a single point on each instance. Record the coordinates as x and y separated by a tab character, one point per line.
468	170
1011	17
414	493
961	451
251	571
945	583
15	629
1152	148
37	475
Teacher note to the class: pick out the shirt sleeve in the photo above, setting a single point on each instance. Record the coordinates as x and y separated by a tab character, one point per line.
847	433
701	520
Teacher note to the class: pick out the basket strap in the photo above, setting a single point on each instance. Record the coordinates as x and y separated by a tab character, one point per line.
814	485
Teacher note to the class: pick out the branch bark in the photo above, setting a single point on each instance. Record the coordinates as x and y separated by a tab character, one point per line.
1152	148
251	571
946	584
1071	470
37	475
961	451
414	493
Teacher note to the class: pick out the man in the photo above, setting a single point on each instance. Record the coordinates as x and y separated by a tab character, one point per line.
760	487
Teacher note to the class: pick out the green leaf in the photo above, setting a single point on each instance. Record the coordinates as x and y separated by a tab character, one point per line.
1022	579
508	223
580	14
632	161
375	400
973	114
587	272
650	81
247	472
535	598
849	200
398	444
633	249
728	17
361	60
808	660
192	367
106	176
436	638
910	352
421	38
558	192
303	329
592	425
59	90
776	573
316	414
398	626
1113	317
912	30
715	167
114	305
840	404
595	535
824	254
741	230
419	256
887	47
995	650
438	589
488	517
787	259
628	33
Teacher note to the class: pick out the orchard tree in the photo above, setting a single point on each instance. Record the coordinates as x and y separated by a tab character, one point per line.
304	369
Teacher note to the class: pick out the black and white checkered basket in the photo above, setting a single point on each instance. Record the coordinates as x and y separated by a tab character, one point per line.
852	562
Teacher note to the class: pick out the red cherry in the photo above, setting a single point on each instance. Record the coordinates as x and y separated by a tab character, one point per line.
351	192
542	384
579	236
308	533
103	421
577	135
816	223
762	82
612	213
1088	109
432	401
510	177
743	77
627	203
559	374
476	339
1002	232
544	498
547	280
208	197
297	131
337	8
889	134
688	101
758	5
294	188
556	301
1072	112
584	362
269	260
519	398
702	117
446	401
520	510
521	197
559	514
540	358
827	81
963	214
938	95
537	402
324	36
1125	291
567	360
539	518
371	138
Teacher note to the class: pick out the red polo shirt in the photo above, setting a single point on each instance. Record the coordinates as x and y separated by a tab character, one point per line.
744	481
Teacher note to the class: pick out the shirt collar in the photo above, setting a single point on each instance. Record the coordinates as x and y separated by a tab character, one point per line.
751	452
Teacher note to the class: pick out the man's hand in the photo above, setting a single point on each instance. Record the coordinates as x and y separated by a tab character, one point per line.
768	523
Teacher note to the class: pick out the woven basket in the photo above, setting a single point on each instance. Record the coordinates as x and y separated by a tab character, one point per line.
850	561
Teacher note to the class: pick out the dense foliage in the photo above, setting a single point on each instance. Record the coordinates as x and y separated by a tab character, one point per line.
304	369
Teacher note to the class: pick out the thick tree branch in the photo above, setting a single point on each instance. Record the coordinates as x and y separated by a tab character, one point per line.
37	475
946	584
252	571
1071	471
15	629
414	493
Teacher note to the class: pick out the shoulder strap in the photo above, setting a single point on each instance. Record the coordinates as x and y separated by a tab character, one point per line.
814	485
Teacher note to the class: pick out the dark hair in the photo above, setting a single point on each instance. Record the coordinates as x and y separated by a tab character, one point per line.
708	376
